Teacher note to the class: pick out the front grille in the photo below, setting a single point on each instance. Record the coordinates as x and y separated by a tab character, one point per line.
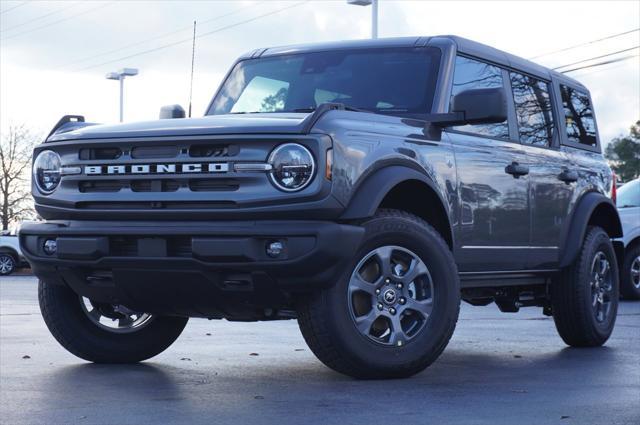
158	185
144	177
155	185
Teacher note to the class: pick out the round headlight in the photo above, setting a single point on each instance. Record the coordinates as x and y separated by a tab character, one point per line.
292	167
46	171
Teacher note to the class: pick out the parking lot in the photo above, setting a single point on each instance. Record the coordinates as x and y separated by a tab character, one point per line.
498	369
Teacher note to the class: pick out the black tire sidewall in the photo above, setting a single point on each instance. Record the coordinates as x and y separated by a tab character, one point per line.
366	352
73	329
600	242
13	261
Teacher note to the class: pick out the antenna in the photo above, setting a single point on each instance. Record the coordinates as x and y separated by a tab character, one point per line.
193	56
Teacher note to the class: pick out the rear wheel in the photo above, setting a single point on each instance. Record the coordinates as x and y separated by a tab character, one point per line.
394	310
585	297
630	274
7	264
104	333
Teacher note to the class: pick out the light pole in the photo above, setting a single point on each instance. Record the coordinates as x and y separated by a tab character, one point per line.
120	75
374	13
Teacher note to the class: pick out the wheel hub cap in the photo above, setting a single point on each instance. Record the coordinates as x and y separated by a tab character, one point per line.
390	297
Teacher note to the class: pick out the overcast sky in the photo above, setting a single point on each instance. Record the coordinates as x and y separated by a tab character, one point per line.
54	54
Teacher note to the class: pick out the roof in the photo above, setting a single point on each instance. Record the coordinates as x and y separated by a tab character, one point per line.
463	45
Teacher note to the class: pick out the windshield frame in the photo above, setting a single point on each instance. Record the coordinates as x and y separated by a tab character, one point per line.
433	89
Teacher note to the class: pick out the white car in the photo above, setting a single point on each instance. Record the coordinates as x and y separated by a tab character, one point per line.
10	255
628	202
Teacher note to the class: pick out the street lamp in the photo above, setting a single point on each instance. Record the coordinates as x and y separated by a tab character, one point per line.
120	75
374	13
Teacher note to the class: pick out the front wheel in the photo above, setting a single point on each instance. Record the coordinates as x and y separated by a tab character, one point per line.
395	309
104	333
585	297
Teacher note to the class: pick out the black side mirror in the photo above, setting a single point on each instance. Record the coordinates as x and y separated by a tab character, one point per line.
475	106
171	111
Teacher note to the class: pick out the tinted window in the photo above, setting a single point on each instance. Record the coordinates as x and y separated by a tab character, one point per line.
471	74
392	81
629	195
533	110
578	117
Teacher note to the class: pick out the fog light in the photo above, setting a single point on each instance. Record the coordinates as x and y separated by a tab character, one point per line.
50	247
274	249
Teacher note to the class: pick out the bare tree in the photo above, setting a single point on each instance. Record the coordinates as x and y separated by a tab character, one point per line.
16	146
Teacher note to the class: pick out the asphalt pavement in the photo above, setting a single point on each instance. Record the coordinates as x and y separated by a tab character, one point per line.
498	369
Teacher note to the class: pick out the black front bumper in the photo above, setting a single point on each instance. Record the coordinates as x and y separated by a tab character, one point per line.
206	269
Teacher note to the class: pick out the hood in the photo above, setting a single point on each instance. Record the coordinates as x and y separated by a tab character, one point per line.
265	123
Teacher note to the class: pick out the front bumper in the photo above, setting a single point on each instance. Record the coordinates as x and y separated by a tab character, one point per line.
205	269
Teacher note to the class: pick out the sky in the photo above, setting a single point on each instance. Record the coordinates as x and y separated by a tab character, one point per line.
54	54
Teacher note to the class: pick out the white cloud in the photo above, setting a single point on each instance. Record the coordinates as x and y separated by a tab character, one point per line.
37	88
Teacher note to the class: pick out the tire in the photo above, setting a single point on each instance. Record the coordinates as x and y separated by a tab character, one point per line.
7	264
327	319
630	274
580	318
71	326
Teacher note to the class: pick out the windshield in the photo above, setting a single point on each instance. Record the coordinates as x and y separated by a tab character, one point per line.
394	81
629	195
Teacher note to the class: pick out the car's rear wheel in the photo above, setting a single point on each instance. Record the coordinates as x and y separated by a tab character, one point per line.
630	274
7	264
585	296
104	333
394	310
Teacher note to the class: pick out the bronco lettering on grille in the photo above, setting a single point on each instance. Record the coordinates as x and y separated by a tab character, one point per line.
211	167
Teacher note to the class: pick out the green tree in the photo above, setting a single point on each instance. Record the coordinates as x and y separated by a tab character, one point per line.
623	154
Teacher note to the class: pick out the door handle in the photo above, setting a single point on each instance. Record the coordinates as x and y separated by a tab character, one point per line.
516	170
568	176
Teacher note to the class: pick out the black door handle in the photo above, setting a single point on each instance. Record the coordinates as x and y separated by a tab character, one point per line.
568	176
516	170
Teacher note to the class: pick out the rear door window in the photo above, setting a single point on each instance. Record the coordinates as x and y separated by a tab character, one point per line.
579	119
533	110
471	74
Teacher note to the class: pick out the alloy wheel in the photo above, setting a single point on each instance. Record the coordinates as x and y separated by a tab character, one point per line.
114	318
391	295
6	264
635	272
601	286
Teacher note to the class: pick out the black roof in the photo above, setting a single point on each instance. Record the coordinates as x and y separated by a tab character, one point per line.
463	45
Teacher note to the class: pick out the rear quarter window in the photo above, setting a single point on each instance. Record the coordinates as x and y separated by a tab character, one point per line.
579	119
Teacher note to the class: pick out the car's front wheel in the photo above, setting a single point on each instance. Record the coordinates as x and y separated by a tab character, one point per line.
7	264
585	296
104	333
395	309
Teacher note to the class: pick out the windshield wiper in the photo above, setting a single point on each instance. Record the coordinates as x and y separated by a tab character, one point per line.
332	105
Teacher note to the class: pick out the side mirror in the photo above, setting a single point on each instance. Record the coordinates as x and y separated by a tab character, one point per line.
171	111
475	106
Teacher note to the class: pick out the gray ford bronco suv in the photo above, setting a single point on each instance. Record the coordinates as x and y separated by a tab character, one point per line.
363	188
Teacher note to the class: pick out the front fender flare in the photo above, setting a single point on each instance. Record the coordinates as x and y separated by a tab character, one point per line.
370	193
